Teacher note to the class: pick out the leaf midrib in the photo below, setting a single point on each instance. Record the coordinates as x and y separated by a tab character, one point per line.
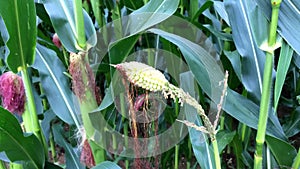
68	16
19	33
252	45
59	88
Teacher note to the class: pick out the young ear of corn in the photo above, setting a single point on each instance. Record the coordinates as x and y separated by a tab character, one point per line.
84	87
149	78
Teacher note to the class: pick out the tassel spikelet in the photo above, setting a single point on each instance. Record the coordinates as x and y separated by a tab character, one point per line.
143	76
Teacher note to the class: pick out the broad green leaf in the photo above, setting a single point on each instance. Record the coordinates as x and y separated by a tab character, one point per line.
150	14
289	14
199	141
208	74
17	146
107	165
253	58
201	64
259	25
61	14
55	84
285	57
282	151
20	20
224	138
71	155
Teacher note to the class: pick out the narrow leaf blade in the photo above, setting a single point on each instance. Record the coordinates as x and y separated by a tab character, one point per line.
285	57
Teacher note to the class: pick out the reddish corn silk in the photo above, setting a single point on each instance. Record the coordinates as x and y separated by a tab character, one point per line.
12	92
86	156
82	76
56	41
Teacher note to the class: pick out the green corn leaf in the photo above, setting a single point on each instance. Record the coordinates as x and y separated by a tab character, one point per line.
152	13
61	14
201	64
252	58
283	151
224	138
285	57
17	146
20	20
55	84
